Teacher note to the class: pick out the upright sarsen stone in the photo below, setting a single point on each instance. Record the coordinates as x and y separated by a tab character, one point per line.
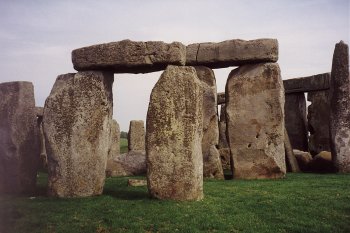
340	108
77	123
136	136
255	121
114	150
295	119
211	157
174	136
19	144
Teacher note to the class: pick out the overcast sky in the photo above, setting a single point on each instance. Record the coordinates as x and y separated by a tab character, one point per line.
37	37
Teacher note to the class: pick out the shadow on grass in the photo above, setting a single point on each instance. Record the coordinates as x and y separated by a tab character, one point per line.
126	194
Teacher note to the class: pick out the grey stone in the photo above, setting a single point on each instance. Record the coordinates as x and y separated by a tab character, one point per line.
340	108
43	155
136	136
132	163
222	128
221	98
295	119
304	160
19	145
255	121
114	150
212	167
174	133
128	56
318	121
77	128
137	183
232	53
292	163
305	84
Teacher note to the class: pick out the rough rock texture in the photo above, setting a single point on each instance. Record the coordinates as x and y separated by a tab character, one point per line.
212	167
225	157
114	149
77	128
255	121
19	144
221	98
340	108
295	120
174	136
305	84
322	163
136	183
132	163
304	159
291	162
318	121
128	56
43	155
136	136
232	53
222	128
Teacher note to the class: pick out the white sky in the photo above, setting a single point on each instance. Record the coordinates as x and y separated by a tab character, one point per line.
37	37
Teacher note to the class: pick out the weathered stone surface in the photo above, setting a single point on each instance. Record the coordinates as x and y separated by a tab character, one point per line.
19	145
221	98
225	157
291	162
318	121
222	128
295	119
114	149
43	155
212	167
39	111
255	121
174	136
132	163
77	128
136	136
232	53
340	108
322	163
128	56
305	84
304	159
136	183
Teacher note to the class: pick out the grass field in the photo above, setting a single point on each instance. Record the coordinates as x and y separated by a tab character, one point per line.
298	203
123	145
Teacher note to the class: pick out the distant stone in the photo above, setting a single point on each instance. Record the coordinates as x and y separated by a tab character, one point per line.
77	127
128	56
255	121
136	183
232	53
317	82
304	159
114	150
221	98
296	120
212	167
132	163
322	163
340	108
43	155
291	162
318	121
222	128
174	136
39	111
19	144
225	158
136	136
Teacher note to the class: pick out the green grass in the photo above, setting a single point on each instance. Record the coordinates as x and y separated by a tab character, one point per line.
123	145
298	203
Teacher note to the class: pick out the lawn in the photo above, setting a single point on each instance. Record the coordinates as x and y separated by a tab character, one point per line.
123	145
298	203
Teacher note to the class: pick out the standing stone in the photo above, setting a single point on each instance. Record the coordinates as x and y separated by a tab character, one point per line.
295	119
255	121
114	150
174	136
136	136
43	155
19	145
77	123
211	158
291	161
224	148
318	121
340	108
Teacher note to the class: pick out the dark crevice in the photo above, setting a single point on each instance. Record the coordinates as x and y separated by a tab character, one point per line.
199	45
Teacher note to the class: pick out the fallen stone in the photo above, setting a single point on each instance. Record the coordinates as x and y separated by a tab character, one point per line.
174	136
132	163
317	82
322	163
136	183
255	121
19	144
318	121
340	108
128	56
77	128
212	167
232	53
221	98
136	136
296	120
304	159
